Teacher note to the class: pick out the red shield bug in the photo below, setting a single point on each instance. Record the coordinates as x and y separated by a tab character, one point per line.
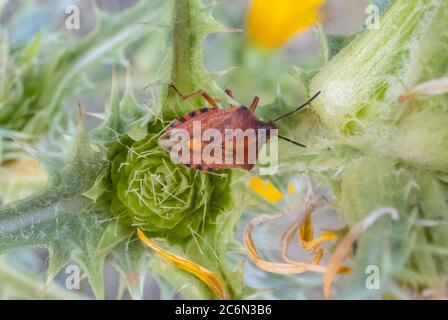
216	138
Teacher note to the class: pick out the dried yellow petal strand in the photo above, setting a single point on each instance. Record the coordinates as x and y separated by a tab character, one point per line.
209	278
316	242
317	256
306	231
274	267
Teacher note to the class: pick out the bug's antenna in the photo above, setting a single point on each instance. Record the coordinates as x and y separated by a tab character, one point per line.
298	108
291	141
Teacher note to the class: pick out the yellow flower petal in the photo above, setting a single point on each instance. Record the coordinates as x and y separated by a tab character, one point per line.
209	278
291	189
271	23
265	189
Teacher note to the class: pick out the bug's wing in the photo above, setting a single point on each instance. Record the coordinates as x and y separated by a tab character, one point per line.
182	128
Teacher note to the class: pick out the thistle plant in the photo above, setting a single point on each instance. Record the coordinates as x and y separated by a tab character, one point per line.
38	77
384	160
117	179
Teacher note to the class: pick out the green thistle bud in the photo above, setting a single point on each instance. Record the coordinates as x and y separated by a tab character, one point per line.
164	199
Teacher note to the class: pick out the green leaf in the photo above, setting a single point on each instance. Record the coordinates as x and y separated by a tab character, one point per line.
132	260
21	284
434	205
112	33
336	43
33	92
59	217
125	116
368	185
31	50
133	113
330	44
20	178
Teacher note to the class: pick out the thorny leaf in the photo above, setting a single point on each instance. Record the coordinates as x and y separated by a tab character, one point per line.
33	91
59	217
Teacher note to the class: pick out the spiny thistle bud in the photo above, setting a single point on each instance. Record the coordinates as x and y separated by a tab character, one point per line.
164	199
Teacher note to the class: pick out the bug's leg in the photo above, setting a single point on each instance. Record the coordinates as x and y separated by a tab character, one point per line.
200	92
229	93
254	104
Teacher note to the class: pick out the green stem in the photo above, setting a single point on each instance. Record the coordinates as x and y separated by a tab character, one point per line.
192	23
